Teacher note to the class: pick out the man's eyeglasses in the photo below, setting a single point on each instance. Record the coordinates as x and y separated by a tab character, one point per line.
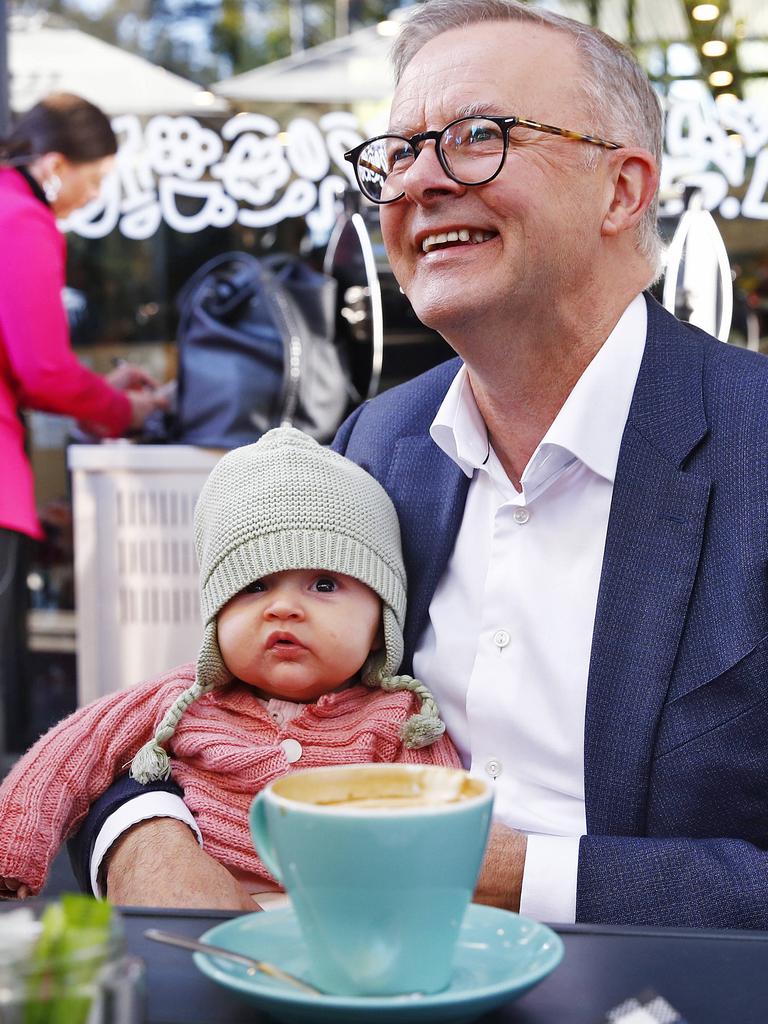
471	151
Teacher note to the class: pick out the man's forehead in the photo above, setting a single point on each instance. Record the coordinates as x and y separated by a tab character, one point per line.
489	68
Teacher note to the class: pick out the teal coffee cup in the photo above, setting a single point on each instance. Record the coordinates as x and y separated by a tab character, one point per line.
380	862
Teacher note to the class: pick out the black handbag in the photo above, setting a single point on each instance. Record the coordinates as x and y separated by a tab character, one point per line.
256	349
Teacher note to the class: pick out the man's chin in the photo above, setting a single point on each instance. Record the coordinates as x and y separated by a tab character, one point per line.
449	317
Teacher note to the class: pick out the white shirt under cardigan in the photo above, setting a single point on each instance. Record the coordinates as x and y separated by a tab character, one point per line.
514	613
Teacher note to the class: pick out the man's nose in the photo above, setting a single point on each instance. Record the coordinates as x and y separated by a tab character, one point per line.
426	176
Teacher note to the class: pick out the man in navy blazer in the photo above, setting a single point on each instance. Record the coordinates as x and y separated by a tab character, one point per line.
518	186
675	757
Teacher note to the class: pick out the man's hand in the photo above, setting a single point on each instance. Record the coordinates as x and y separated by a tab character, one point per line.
159	863
501	875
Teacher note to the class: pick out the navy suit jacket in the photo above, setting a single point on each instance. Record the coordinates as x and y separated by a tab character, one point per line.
676	730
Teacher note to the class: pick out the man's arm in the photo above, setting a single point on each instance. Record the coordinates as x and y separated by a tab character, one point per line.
124	789
676	882
501	875
159	863
155	862
662	882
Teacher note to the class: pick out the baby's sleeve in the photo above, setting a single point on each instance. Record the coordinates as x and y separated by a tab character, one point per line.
47	793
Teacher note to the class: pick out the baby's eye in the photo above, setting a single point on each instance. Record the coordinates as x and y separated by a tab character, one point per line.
257	587
325	584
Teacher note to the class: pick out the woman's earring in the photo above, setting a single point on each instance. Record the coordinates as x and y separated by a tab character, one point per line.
52	188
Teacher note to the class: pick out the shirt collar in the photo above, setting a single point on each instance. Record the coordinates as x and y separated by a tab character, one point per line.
459	429
33	184
589	425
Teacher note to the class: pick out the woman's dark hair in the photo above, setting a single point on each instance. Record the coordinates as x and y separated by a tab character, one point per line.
61	123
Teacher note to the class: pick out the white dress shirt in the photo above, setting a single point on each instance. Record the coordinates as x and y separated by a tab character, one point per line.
507	648
514	612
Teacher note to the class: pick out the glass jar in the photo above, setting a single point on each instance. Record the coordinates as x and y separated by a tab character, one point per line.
97	984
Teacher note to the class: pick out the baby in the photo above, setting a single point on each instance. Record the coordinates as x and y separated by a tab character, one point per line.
303	600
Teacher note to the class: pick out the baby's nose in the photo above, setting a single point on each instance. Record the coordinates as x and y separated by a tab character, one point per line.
283	606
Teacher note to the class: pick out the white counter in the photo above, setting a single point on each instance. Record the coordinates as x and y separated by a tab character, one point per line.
135	567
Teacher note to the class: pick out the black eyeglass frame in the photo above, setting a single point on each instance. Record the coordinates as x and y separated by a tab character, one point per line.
505	123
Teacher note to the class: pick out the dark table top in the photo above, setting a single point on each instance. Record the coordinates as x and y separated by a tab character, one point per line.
710	977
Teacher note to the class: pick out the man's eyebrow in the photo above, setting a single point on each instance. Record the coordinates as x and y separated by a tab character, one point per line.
478	108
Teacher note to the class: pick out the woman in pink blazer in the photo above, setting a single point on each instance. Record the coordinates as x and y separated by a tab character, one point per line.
53	162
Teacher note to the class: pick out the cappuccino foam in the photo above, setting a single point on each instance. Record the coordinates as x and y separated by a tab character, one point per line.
380	787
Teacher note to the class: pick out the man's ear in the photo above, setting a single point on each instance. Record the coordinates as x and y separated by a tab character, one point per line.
635	179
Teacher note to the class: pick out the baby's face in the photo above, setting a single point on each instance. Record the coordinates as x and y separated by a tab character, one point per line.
300	633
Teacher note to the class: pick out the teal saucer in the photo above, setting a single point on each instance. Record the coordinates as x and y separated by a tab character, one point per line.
499	957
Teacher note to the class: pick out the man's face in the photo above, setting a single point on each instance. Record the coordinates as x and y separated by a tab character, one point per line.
533	230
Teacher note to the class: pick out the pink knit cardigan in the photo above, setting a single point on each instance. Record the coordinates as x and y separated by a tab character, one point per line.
225	749
38	369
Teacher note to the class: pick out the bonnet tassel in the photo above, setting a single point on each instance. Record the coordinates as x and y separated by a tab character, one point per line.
152	763
426	725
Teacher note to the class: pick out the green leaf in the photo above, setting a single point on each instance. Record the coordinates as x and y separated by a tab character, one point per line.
66	960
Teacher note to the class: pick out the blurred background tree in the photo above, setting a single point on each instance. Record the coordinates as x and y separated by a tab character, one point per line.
205	40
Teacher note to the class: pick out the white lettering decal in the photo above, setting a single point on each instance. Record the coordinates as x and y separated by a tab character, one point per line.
174	169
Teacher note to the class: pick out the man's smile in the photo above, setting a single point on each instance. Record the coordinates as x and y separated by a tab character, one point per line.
459	236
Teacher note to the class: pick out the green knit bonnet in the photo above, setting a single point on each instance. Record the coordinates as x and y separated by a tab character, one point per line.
286	502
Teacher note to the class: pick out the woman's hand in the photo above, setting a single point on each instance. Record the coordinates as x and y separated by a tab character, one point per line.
129	377
142	391
143	404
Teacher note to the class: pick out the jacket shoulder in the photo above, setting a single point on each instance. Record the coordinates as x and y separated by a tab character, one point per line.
719	358
402	411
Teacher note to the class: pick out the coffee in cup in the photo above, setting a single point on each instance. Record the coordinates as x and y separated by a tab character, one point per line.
380	861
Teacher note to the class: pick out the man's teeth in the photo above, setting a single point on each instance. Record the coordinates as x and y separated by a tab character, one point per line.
451	237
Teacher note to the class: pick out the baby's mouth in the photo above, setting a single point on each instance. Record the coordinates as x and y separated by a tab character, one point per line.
283	641
462	236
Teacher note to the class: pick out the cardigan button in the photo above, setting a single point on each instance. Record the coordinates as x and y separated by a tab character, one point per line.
291	750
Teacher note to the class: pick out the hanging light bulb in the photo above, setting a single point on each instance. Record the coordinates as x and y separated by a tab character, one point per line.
705	12
714	48
719	79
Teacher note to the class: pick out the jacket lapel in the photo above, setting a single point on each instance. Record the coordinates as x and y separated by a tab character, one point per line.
429	492
652	552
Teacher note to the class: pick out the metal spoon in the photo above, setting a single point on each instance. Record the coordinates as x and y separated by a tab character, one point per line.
252	964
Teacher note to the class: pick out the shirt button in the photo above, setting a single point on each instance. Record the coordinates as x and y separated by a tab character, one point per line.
493	767
521	515
291	749
501	638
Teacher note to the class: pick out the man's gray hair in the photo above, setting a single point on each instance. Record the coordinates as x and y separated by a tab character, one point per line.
620	100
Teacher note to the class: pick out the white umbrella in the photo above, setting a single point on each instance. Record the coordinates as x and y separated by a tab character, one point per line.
345	70
45	56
